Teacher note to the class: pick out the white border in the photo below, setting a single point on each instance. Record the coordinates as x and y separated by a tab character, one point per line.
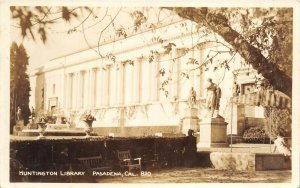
4	78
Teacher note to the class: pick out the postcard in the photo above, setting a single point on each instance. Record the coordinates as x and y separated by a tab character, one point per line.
137	93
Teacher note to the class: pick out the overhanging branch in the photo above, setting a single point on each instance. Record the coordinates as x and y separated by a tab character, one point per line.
218	24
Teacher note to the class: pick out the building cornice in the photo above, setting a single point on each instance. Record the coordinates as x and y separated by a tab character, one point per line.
118	39
66	65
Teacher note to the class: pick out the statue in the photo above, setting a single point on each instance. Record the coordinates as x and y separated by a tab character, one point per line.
213	97
32	113
19	113
236	89
192	98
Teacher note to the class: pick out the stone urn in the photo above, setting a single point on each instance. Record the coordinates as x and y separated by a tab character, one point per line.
41	129
89	119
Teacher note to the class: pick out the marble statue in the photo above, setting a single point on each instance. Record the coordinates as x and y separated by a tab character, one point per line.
212	98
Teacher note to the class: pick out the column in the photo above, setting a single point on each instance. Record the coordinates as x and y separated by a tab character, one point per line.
74	77
112	85
136	81
155	79
120	84
175	75
73	91
82	90
69	90
145	81
99	88
93	87
66	92
106	80
128	83
103	93
76	93
196	72
116	85
87	95
87	88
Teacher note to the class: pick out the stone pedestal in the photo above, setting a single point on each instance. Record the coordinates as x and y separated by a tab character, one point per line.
190	120
238	120
18	127
213	133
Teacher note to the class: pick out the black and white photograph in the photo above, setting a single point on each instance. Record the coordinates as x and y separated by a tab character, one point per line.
138	92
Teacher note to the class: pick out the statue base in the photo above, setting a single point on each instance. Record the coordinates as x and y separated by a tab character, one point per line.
41	137
213	133
190	120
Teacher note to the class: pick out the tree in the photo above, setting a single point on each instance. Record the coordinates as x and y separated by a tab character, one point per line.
252	50
262	36
19	83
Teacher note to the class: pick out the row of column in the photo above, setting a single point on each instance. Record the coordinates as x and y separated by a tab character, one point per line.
122	85
103	87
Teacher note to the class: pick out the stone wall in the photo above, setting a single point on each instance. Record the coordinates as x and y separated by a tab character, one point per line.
136	131
249	161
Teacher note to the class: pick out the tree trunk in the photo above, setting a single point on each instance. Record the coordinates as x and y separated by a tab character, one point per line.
252	55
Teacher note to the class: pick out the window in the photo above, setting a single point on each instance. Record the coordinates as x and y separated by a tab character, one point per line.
248	88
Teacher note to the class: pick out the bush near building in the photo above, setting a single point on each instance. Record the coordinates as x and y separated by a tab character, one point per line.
278	121
255	135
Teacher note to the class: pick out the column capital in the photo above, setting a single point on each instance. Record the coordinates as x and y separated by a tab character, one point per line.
140	58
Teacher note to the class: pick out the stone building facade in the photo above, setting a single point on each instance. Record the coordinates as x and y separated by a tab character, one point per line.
120	81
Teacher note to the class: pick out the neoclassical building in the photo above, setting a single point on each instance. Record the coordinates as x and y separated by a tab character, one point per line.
143	80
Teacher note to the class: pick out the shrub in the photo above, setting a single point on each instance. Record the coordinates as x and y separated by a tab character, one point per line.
281	121
255	135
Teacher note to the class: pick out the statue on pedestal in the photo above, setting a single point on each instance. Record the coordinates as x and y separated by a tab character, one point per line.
190	119
32	113
192	98
212	98
19	113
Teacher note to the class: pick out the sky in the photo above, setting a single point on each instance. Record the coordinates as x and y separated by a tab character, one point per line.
60	42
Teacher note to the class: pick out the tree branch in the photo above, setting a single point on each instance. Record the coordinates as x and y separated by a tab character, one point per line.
218	24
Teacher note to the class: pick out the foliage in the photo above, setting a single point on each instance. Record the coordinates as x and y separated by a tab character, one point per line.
280	120
139	18
40	17
19	83
88	117
255	34
48	117
255	135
